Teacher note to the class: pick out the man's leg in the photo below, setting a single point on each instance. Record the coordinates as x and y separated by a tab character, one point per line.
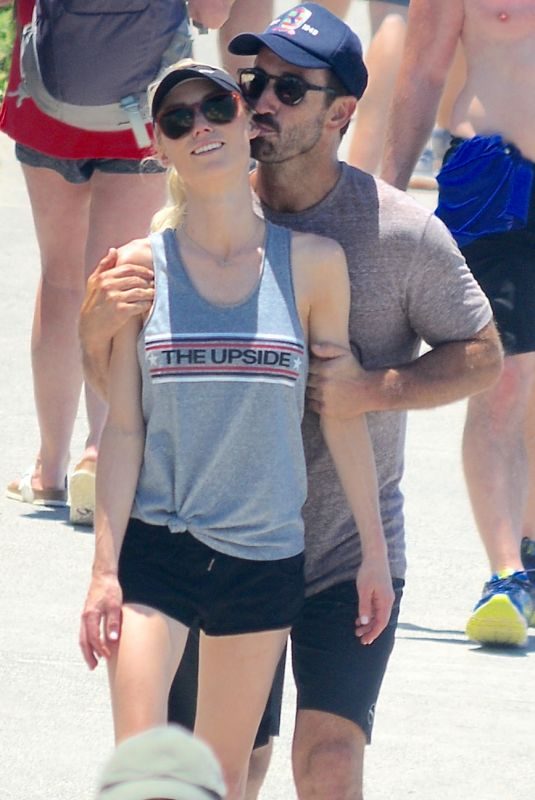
245	15
388	27
527	547
338	681
328	757
496	470
528	522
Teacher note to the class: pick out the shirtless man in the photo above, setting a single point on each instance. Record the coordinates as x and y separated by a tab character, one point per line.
497	104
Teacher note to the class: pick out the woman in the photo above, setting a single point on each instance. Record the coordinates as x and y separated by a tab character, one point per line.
201	461
81	185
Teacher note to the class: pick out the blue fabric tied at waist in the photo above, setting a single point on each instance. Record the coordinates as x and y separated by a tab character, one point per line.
484	188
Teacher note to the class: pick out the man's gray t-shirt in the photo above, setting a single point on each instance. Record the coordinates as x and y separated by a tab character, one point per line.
409	283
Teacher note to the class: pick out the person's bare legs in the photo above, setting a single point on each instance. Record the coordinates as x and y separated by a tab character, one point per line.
73	231
255	16
61	217
142	667
121	209
388	26
338	7
257	770
452	88
528	522
245	15
328	757
235	677
495	460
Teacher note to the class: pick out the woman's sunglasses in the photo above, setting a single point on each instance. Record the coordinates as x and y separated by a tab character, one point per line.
218	108
289	89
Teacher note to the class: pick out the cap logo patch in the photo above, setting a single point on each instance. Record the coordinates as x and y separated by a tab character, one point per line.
295	19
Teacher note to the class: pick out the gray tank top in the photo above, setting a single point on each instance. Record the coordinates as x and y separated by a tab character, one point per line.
223	396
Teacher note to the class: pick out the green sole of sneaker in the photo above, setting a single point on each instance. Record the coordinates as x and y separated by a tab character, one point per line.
497	622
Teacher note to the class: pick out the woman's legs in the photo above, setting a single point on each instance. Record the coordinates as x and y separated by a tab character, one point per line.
61	217
235	677
73	230
121	209
142	667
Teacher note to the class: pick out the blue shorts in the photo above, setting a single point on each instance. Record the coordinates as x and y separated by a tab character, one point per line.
80	170
503	264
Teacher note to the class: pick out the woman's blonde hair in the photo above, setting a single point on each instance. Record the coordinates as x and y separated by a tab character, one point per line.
172	214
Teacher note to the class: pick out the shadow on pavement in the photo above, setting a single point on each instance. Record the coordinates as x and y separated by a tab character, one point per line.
458	637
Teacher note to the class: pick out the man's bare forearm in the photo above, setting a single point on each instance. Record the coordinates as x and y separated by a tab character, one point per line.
448	372
338	386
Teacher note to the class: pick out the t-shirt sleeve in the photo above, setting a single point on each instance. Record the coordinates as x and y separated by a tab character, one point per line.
444	300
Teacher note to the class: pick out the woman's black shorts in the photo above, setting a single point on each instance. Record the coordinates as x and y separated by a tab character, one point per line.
203	588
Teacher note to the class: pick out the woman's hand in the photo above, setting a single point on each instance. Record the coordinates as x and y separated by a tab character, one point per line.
376	596
100	626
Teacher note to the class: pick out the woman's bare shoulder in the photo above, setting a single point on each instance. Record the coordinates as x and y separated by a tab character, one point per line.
312	252
319	248
138	251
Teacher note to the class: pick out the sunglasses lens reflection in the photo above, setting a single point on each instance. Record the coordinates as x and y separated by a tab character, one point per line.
219	109
289	89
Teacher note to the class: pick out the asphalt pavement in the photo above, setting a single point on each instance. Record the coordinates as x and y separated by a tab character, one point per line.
454	720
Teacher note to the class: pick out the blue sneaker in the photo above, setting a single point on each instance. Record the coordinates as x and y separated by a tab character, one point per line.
504	612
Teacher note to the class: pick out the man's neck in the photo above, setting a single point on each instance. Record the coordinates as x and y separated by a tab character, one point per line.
287	187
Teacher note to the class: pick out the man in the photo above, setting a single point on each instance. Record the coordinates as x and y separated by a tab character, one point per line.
488	201
408	282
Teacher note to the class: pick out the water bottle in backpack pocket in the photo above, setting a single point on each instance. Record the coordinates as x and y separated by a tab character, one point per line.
88	63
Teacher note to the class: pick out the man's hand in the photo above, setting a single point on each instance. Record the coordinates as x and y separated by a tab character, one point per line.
376	596
100	626
336	383
210	13
114	294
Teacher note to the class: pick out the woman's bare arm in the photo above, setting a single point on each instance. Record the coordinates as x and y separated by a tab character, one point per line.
323	296
119	462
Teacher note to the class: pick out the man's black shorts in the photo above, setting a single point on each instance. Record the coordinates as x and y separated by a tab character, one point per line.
333	671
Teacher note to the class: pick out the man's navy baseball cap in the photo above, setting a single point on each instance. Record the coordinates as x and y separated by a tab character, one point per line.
309	36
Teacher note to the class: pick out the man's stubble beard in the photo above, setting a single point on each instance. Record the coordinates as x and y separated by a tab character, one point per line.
287	146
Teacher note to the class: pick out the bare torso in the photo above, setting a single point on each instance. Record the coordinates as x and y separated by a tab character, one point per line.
499	95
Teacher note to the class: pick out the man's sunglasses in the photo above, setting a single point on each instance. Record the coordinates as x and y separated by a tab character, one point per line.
218	108
289	89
